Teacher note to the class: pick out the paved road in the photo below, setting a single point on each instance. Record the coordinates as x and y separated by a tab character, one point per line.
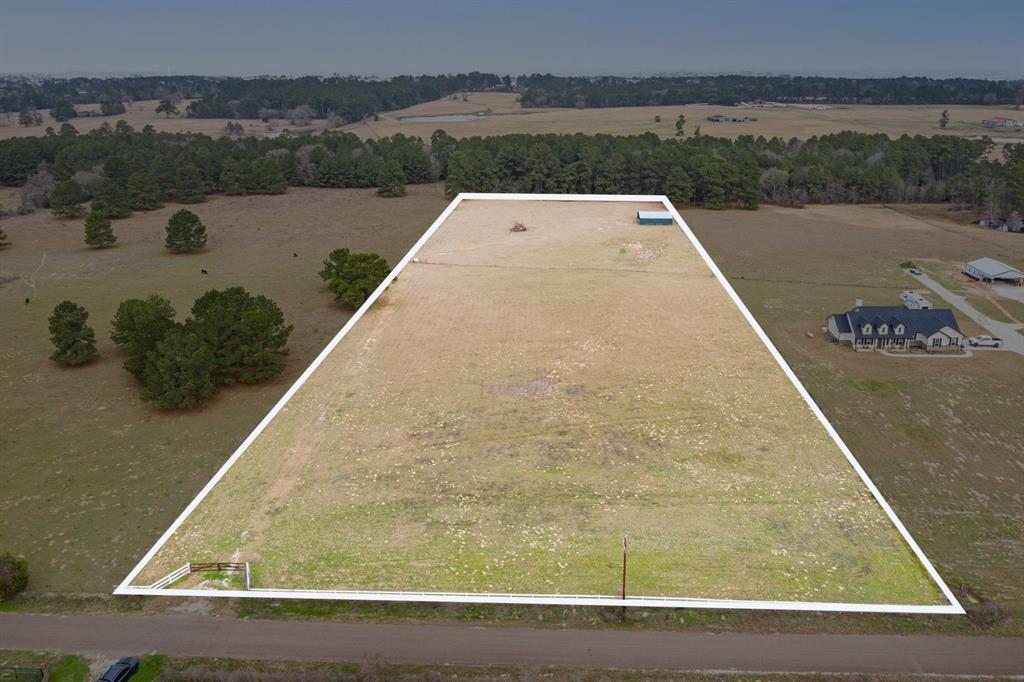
1012	340
185	635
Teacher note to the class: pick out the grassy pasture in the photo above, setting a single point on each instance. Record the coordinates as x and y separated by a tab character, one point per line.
91	474
942	438
517	403
65	458
503	116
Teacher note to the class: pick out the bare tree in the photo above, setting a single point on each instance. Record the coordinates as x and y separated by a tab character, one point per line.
36	191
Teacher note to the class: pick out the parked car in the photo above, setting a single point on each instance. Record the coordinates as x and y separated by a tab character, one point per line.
121	671
916	271
985	341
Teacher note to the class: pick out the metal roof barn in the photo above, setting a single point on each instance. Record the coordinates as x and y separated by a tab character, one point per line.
991	270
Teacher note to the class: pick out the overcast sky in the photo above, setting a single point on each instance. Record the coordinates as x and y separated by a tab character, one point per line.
383	38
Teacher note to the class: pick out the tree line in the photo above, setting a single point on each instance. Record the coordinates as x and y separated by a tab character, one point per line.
120	170
546	90
350	98
715	172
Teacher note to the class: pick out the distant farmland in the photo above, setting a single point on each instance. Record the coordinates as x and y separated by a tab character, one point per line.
503	115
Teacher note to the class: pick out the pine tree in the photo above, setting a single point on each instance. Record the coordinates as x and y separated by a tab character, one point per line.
679	186
391	180
352	277
98	232
185	232
143	192
188	184
246	333
73	340
110	200
231	177
66	200
138	326
178	373
268	177
944	118
680	123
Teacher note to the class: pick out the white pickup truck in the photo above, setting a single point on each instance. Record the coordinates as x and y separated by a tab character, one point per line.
985	341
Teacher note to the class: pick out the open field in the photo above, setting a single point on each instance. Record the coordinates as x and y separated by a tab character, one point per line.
141	113
91	474
943	439
961	500
597	382
503	116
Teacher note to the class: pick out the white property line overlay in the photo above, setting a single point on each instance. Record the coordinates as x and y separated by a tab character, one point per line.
953	607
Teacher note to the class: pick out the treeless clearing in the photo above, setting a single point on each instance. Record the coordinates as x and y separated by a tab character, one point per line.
91	474
504	116
141	113
516	403
941	438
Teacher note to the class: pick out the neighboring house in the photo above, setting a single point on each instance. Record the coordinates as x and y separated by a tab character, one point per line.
915	301
896	328
1002	122
1004	224
654	217
991	270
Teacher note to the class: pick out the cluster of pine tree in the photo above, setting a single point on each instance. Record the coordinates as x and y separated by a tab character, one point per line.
231	337
715	172
138	171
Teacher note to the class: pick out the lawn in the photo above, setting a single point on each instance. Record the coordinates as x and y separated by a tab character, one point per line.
517	403
943	439
91	474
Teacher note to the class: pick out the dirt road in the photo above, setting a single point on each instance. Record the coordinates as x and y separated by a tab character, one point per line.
465	645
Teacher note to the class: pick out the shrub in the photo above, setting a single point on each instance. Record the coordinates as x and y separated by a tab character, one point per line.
13	576
352	277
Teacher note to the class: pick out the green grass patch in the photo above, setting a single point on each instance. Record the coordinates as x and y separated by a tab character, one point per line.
879	387
70	669
921	434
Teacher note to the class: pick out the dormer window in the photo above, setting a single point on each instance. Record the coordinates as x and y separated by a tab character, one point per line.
899	329
867	328
883	329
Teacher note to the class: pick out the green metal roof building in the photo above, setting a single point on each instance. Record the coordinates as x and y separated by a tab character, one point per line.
654	217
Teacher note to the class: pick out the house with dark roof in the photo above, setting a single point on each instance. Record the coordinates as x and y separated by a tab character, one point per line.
896	328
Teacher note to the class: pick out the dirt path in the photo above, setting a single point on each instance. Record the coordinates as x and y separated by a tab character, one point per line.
188	635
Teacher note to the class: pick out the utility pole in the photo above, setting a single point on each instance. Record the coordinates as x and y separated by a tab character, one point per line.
625	548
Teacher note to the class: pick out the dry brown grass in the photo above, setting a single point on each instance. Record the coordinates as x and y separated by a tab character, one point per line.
517	402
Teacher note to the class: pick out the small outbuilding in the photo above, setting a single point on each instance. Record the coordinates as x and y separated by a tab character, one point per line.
990	270
654	217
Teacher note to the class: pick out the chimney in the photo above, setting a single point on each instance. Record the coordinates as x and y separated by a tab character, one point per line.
858	302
